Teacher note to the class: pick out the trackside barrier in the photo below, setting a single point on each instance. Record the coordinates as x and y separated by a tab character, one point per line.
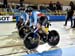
6	18
56	17
52	18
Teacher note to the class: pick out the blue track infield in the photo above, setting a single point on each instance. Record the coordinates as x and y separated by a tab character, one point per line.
59	52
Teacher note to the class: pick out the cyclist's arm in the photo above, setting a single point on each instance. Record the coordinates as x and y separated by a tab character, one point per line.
35	18
27	19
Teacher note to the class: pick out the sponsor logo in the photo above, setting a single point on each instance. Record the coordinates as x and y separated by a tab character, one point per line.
6	18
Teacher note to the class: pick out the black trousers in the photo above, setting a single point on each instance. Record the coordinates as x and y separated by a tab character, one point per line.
74	23
70	20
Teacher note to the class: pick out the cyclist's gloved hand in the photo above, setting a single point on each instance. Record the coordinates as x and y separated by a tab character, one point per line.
34	27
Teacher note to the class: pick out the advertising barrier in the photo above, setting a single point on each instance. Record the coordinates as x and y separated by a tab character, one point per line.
6	18
56	17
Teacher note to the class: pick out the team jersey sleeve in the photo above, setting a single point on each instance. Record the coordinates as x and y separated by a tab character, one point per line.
35	18
27	16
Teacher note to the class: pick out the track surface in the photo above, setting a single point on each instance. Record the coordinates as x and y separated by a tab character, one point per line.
12	45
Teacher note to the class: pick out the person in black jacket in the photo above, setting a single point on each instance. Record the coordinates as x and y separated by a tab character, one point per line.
51	5
72	5
69	16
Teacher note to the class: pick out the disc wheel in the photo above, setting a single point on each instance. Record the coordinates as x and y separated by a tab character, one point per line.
31	40
53	38
21	33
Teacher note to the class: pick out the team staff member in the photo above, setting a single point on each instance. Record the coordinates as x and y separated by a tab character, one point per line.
69	16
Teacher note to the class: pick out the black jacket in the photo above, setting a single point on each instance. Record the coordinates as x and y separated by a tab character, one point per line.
70	13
